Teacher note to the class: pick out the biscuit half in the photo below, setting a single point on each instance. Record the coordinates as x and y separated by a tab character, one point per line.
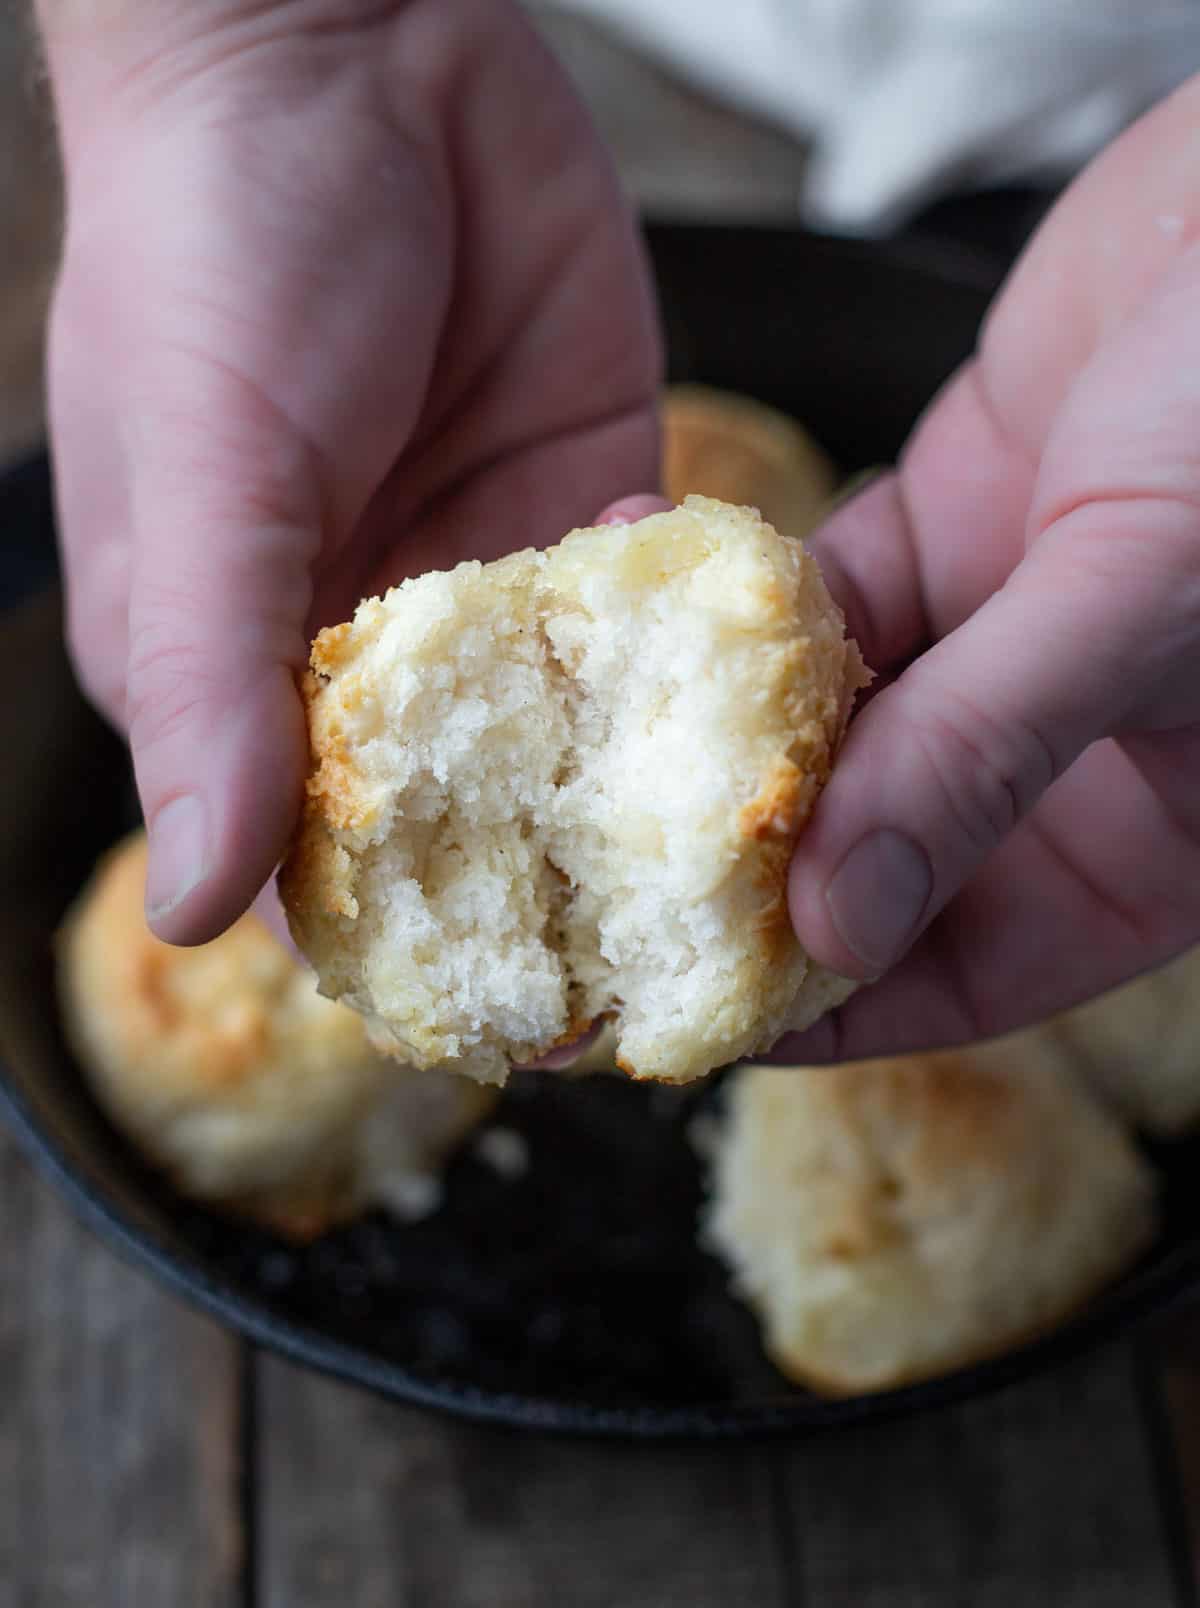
566	786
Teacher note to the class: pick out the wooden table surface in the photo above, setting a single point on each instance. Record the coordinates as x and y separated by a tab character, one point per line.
148	1458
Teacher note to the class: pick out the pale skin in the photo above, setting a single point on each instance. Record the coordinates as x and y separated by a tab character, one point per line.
348	292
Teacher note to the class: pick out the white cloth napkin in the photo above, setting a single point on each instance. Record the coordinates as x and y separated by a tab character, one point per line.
905	100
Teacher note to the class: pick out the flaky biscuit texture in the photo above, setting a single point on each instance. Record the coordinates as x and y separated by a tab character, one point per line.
892	1220
228	1069
565	786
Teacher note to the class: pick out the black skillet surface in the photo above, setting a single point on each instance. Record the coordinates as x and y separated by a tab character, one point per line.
572	1298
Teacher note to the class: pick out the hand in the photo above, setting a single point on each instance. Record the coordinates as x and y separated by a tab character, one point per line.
348	292
1014	822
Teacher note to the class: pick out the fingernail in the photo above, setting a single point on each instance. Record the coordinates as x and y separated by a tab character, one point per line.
178	854
878	895
566	1054
627	510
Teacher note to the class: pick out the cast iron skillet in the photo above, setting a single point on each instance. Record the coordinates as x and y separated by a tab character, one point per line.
573	1298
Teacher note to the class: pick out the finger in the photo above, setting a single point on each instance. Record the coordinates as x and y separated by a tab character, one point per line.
91	511
1091	890
945	762
627	510
1093	633
225	529
566	1054
96	587
894	555
269	910
545	486
913	569
866	559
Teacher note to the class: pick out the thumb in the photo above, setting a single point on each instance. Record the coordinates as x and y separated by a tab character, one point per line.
219	597
1083	638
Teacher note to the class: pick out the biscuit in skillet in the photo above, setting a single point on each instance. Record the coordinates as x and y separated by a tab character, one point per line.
226	1068
731	447
892	1220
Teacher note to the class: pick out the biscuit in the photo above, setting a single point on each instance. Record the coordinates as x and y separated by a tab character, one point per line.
227	1069
566	786
893	1220
740	451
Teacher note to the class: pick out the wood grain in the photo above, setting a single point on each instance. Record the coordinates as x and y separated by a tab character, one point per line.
118	1424
1042	1495
367	1506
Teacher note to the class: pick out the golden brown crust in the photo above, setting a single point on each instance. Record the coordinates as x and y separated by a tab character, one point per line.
331	648
124	981
317	875
897	1219
576	1028
334	786
780	808
781	672
226	1069
224	1066
740	451
839	1387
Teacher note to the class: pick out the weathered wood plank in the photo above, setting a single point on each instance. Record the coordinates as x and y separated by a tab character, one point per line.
118	1424
362	1505
1044	1494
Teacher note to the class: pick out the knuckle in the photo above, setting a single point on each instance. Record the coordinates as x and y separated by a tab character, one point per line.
990	769
170	687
